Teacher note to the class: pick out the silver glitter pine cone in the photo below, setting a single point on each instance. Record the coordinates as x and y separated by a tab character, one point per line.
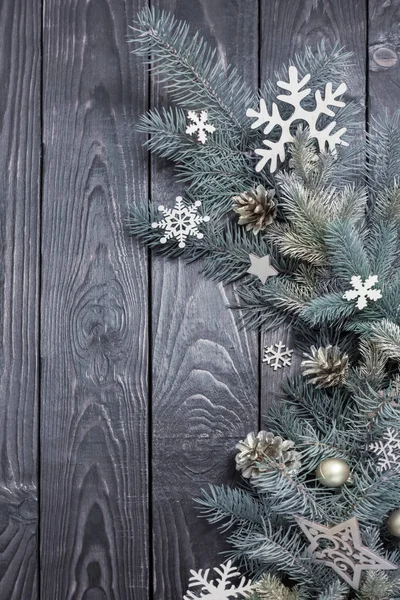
264	452
256	208
326	366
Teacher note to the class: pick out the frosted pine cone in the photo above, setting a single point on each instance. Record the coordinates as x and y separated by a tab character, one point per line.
326	367
256	208
261	452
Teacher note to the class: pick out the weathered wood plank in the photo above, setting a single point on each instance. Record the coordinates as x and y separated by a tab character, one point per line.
384	57
205	371
20	69
286	27
94	509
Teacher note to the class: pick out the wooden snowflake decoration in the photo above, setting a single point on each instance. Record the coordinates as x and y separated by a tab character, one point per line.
220	588
387	450
276	356
199	125
340	547
180	222
362	291
325	137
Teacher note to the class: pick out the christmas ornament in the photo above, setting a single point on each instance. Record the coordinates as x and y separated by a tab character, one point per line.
276	149
256	208
393	523
340	547
388	449
199	125
258	452
220	588
275	356
362	291
333	472
180	222
326	366
261	267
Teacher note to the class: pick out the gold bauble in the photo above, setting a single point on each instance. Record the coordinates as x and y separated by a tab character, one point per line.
333	472
393	523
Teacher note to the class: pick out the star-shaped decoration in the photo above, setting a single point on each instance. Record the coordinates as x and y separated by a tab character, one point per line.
261	267
340	547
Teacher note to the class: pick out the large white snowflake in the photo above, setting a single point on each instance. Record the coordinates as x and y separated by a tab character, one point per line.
362	291
276	356
199	125
220	588
388	449
325	136
180	222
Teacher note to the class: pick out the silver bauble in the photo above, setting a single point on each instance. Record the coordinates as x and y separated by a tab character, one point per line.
393	523
333	472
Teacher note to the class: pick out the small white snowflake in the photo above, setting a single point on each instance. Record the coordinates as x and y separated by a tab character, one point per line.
276	149
199	125
220	588
362	291
275	356
180	222
388	449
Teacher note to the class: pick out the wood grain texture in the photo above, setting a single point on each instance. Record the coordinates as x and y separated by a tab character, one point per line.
286	27
20	69
94	429
205	371
384	57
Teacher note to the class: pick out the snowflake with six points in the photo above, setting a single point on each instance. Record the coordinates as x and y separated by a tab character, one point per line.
199	125
362	291
220	588
277	354
387	449
325	136
180	222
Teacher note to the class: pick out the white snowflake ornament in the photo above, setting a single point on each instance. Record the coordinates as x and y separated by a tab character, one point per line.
220	588
362	291
199	125
387	449
180	222
275	356
325	136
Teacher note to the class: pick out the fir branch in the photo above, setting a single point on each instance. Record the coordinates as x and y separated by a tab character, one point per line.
277	550
328	309
346	251
336	590
386	336
382	249
166	129
374	494
386	208
189	69
276	303
269	587
376	409
383	151
290	496
378	585
230	507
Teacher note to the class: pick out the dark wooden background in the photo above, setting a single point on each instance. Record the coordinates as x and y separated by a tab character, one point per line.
125	381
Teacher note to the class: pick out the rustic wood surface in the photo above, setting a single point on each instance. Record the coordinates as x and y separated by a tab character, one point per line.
94	309
125	380
20	70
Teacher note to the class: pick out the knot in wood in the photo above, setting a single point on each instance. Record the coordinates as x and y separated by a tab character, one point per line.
384	57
